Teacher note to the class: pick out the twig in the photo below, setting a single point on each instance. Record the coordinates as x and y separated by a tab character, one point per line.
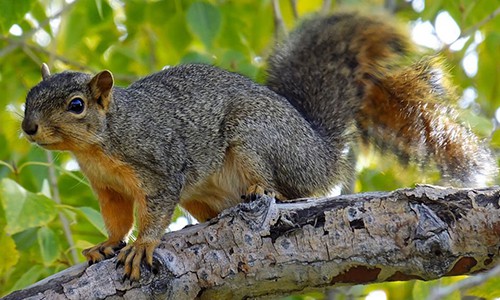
279	24
9	166
29	34
293	4
442	292
390	6
479	24
53	177
41	49
54	56
57	198
326	7
469	31
29	52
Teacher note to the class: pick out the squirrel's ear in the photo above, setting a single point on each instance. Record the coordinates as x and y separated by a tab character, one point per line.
101	86
45	71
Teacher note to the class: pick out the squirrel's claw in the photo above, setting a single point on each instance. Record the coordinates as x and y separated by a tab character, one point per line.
124	277
132	255
102	251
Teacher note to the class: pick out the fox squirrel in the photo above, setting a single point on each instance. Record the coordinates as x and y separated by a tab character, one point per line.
201	137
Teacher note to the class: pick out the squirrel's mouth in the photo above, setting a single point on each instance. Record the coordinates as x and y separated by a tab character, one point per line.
59	145
48	145
43	144
40	143
44	140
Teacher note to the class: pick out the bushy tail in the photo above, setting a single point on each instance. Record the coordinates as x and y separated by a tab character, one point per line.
350	70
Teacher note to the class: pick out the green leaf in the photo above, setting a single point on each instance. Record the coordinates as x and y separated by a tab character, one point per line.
24	209
195	57
25	239
13	12
9	256
81	244
180	38
431	9
29	277
49	245
94	217
495	139
69	213
38	12
422	289
488	76
205	21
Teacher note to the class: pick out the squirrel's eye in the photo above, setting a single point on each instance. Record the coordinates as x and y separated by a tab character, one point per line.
76	106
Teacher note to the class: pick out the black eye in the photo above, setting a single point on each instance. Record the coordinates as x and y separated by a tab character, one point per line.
76	106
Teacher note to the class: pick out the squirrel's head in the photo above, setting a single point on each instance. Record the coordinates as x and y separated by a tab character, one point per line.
66	111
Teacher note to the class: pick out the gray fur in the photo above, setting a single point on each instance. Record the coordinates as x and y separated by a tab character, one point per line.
174	127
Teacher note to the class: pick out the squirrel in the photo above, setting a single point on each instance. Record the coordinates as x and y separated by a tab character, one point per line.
201	137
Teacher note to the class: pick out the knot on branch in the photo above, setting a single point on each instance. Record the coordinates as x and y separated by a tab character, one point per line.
431	235
256	214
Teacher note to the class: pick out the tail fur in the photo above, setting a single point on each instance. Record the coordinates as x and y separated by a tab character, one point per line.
350	70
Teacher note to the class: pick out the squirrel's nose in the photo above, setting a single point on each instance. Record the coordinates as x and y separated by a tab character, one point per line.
30	127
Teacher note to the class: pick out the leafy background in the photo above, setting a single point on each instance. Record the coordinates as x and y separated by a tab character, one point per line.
48	213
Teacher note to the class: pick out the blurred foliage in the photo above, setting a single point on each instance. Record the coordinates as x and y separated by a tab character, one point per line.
133	38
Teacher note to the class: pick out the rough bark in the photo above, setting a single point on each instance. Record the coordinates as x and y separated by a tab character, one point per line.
265	249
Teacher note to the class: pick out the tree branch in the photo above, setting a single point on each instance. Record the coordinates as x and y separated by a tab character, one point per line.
279	25
325	8
29	34
265	249
475	27
57	198
295	11
472	29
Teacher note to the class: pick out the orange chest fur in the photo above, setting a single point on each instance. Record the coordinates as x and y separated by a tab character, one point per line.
107	172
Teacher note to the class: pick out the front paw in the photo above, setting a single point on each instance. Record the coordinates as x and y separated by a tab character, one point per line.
132	255
102	251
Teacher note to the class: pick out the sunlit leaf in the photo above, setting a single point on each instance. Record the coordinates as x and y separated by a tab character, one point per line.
24	209
488	79
10	254
83	244
423	289
488	290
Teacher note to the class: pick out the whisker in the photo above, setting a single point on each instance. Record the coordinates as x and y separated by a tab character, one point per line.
18	116
56	157
15	111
